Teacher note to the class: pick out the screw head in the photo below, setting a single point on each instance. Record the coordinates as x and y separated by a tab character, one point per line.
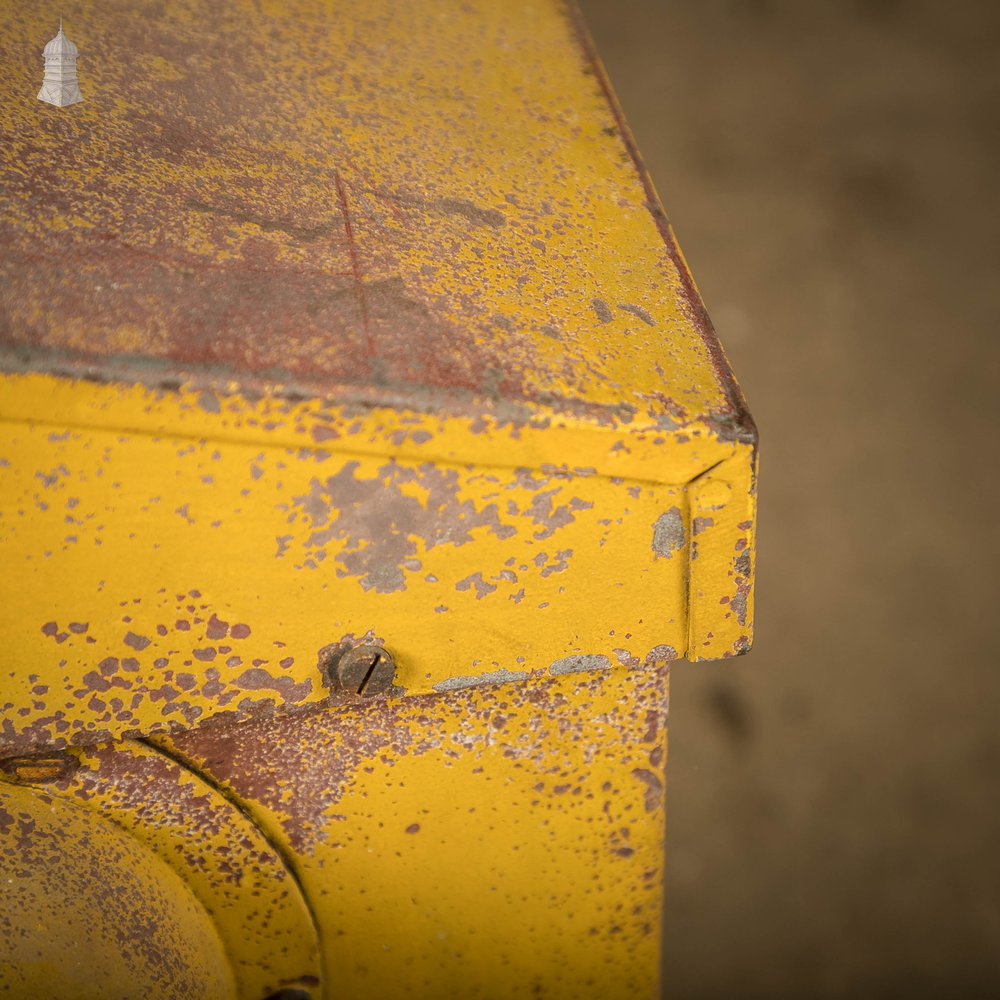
365	670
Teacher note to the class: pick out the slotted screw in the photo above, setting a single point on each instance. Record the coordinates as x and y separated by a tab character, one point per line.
365	670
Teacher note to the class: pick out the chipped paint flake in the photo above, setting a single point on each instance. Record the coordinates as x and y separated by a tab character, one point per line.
494	677
579	664
668	533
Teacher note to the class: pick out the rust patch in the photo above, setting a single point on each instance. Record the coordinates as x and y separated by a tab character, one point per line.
326	748
137	642
59	859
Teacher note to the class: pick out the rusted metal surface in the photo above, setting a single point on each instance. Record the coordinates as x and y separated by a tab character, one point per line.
187	854
87	911
342	197
496	841
367	456
209	580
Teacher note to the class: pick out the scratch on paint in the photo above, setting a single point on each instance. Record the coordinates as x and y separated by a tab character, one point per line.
352	249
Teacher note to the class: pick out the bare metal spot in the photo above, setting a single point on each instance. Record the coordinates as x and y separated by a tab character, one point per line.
321	434
495	677
257	679
473	213
138	642
476	580
637	311
579	664
208	402
559	564
739	603
601	310
625	658
660	654
654	788
668	533
742	564
216	628
378	526
50	479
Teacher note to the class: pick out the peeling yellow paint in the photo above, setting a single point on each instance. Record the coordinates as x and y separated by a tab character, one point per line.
126	547
363	326
81	896
494	842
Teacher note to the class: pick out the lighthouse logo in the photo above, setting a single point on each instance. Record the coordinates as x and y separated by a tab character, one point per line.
60	86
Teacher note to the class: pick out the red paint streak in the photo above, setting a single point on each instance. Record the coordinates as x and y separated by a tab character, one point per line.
352	249
388	199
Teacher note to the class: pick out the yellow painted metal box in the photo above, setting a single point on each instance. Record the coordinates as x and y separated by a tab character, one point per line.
328	329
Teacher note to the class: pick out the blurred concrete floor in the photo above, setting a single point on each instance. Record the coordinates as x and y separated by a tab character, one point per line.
831	169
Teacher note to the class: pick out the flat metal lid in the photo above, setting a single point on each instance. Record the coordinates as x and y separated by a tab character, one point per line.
436	205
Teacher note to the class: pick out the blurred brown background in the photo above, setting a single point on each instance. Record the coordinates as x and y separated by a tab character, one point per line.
831	169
